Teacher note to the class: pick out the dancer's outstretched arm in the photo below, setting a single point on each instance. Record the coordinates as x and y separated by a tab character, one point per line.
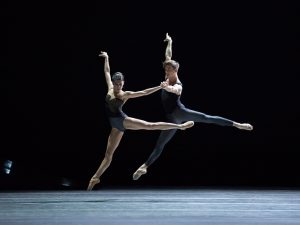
148	91
168	53
107	70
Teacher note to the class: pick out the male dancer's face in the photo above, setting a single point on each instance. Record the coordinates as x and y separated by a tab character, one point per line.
171	73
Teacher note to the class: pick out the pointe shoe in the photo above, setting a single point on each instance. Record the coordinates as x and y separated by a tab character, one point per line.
140	171
186	125
246	126
93	182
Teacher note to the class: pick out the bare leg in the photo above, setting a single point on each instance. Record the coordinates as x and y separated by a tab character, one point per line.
112	143
137	124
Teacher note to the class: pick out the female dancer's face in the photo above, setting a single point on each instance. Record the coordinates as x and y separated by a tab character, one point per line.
171	73
118	85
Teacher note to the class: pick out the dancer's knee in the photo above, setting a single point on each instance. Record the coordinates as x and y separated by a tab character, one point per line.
150	125
209	119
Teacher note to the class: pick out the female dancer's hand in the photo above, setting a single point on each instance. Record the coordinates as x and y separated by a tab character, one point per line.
164	84
103	54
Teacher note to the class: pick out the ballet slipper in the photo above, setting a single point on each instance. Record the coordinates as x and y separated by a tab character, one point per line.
187	125
140	171
92	183
246	126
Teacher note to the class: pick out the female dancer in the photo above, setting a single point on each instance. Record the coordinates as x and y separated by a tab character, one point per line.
176	112
119	121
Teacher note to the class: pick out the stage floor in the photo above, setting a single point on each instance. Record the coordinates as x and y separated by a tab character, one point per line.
155	206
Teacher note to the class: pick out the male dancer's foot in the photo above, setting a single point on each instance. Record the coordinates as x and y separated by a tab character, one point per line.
186	125
243	126
92	183
140	171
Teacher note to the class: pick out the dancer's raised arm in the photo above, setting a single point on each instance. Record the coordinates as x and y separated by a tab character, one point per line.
107	70
168	53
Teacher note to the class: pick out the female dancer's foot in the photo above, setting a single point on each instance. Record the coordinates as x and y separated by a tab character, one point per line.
140	171
186	125
243	126
93	182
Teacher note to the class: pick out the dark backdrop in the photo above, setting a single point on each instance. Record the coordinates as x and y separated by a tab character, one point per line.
239	61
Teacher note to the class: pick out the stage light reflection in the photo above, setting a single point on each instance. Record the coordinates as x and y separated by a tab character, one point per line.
66	182
7	166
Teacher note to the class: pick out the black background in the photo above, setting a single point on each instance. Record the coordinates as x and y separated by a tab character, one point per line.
239	61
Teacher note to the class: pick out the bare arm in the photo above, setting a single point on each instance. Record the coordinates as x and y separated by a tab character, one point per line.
176	88
107	70
135	94
168	53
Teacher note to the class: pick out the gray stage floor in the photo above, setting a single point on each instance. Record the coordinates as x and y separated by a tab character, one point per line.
143	207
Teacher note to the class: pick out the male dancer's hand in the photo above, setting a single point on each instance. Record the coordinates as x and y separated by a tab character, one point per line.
103	54
168	38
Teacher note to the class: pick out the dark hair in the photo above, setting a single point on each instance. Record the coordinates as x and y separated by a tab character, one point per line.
172	63
117	76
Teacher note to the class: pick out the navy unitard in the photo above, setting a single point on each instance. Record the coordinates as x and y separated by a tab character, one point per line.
176	112
113	108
